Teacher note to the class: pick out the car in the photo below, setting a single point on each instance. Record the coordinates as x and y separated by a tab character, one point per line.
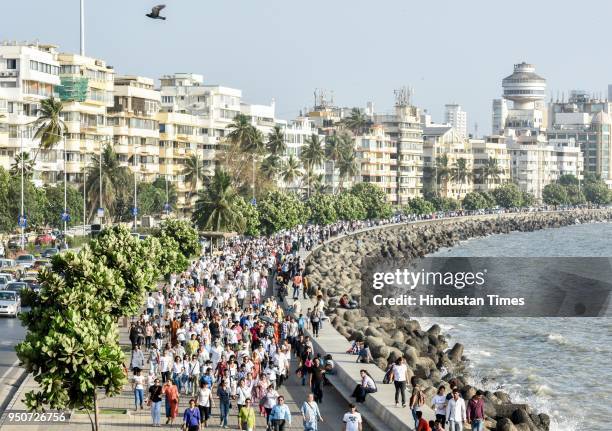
7	263
49	252
43	239
40	263
10	303
25	260
32	283
16	286
4	280
14	242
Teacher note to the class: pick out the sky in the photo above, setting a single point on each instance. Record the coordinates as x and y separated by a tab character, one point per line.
448	51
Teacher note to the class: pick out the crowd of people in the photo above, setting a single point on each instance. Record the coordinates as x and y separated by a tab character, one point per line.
219	335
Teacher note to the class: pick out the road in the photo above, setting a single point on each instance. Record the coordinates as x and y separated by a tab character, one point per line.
11	333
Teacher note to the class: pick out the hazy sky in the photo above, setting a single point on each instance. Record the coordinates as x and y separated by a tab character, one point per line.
448	51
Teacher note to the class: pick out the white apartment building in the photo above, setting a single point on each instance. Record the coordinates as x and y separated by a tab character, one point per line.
486	149
86	92
376	154
457	118
135	125
404	127
297	133
443	140
537	162
28	74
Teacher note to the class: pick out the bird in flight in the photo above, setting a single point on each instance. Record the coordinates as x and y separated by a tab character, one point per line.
155	12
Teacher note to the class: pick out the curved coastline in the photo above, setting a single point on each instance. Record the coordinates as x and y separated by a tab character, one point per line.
334	268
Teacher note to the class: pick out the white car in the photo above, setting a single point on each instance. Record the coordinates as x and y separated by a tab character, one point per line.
10	303
4	280
25	260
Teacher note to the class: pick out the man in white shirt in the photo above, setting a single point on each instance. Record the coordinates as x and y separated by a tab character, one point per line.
400	377
151	302
352	419
455	412
438	403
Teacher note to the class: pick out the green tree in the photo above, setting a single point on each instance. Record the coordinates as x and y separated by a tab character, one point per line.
333	152
250	215
419	206
28	165
184	234
508	196
555	194
116	190
460	173
357	121
115	247
216	208
490	171
35	200
527	199
312	156
347	162
444	204
575	195
374	200
322	209
279	211
475	201
568	179
596	192
193	170
49	125
290	170
71	347
349	207
276	144
271	166
55	205
438	174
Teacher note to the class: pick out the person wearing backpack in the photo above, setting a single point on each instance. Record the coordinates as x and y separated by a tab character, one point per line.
417	400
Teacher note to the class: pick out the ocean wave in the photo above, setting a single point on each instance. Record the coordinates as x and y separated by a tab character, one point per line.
557	338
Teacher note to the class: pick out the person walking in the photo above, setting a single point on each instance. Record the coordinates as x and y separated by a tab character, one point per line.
137	362
205	402
475	412
455	412
138	382
438	403
280	416
399	375
352	419
417	400
191	417
171	393
316	376
224	395
311	414
246	416
155	394
269	401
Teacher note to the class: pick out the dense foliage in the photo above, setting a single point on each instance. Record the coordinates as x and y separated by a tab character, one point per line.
250	216
322	209
349	207
279	211
373	199
419	206
475	201
555	194
508	196
184	234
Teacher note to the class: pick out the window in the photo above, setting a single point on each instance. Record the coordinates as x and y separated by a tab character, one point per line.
11	63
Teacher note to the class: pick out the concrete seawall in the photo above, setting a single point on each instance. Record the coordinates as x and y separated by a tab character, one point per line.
334	268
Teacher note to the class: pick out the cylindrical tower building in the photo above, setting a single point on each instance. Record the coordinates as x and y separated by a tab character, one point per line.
524	87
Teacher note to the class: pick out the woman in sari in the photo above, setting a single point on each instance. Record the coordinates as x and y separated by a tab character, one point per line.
170	391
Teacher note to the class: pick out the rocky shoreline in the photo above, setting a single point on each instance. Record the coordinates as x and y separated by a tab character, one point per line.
335	269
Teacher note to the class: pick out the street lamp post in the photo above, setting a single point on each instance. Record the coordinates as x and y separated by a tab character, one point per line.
135	210
65	215
22	215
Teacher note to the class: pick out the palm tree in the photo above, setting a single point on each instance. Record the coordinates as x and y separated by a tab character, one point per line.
271	166
276	144
241	131
312	155
442	171
216	208
357	121
318	184
490	171
290	170
193	171
115	183
460	172
49	126
333	150
347	165
28	165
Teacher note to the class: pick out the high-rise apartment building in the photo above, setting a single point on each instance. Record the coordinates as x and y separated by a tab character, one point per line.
490	154
135	125
588	121
86	91
457	118
29	73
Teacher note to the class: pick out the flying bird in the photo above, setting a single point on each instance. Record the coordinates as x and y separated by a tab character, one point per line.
155	12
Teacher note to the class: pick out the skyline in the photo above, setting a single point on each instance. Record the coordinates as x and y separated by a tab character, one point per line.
287	62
